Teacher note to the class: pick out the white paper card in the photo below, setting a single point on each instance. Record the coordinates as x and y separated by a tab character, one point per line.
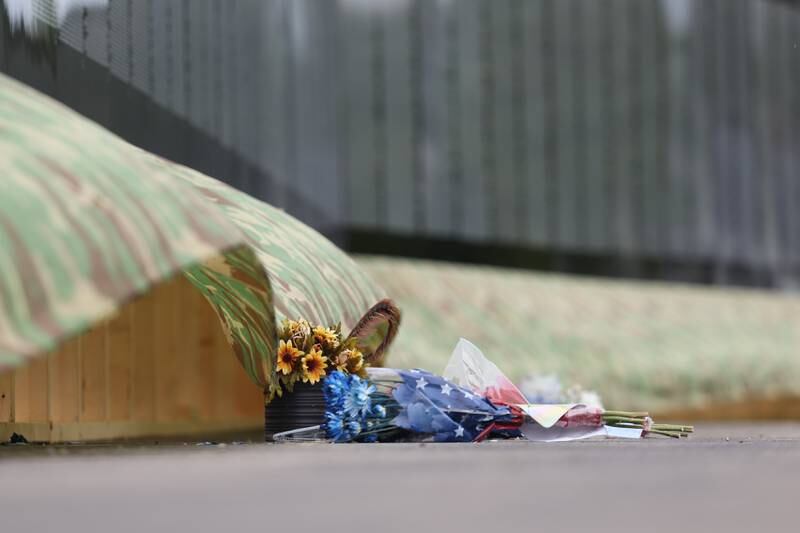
623	433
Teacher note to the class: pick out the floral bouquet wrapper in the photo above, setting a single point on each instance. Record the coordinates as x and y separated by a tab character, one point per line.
550	422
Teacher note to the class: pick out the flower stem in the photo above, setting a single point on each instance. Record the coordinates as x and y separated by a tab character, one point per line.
629	414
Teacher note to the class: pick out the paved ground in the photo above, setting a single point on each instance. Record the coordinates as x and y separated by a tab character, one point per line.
727	478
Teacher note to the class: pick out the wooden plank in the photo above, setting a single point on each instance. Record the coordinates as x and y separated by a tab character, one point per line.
232	105
754	14
216	110
248	399
317	162
680	173
160	82
793	72
32	431
236	397
176	26
20	407
64	376
454	110
199	78
598	92
475	223
251	89
485	60
93	361
662	126
746	148
167	362
768	68
503	110
790	128
400	75
96	31
567	180
535	193
434	147
587	196
550	98
144	345
140	54
120	355
227	72
706	113
188	391
362	197
722	138
519	131
205	355
650	200
722	141
273	106
224	366
38	389
700	239
623	197
135	431
612	125
119	39
6	395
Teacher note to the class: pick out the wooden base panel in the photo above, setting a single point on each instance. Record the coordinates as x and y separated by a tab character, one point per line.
44	432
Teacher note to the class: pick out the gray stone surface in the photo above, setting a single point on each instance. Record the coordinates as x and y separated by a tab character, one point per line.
726	478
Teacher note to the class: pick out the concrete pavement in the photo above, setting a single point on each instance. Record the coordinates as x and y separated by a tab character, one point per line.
726	478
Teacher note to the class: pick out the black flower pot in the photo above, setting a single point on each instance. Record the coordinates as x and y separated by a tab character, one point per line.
303	407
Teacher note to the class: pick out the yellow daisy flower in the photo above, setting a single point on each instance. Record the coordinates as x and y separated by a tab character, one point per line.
287	357
355	362
314	365
326	337
349	360
298	331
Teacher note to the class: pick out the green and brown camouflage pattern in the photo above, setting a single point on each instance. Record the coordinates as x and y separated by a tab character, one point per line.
88	221
311	277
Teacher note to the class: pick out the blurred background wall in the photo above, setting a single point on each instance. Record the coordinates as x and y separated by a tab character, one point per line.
654	139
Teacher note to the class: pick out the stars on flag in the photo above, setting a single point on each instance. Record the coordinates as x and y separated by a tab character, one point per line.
446	389
421	383
460	431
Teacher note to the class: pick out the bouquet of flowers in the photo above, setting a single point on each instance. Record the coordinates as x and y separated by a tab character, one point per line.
403	404
472	402
307	353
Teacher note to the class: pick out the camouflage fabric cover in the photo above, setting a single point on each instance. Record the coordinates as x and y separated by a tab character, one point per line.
88	222
91	221
311	277
658	346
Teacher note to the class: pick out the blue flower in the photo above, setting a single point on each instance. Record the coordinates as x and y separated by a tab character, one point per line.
335	387
334	427
358	403
379	411
371	438
353	428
